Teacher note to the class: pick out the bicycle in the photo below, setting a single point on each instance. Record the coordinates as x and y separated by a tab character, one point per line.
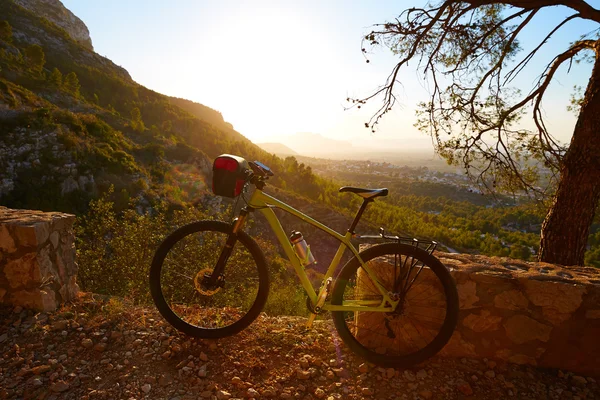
395	304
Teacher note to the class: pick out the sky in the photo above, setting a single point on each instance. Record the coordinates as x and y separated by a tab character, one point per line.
279	67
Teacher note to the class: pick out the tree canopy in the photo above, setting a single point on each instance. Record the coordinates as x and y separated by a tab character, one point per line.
5	30
471	52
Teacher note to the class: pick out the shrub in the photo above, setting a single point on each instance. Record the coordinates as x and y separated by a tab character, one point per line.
114	251
71	84
5	31
56	79
136	120
35	57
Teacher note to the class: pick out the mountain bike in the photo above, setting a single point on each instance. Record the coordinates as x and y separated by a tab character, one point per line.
394	303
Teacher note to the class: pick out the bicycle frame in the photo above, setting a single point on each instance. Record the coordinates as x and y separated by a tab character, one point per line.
264	203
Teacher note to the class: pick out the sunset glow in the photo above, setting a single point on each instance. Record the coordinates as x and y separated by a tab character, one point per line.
275	68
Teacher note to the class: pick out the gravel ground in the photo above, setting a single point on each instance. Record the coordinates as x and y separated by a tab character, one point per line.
100	348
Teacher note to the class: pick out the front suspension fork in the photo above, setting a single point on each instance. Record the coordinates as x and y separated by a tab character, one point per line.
219	269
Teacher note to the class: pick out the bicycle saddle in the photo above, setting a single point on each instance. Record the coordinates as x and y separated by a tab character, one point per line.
365	193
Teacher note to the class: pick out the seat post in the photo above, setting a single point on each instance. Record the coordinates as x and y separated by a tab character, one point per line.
359	214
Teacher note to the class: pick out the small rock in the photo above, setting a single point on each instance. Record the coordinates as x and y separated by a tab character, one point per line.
87	343
41	369
59	387
422	374
203	357
579	380
146	388
426	394
223	395
366	391
59	325
100	347
164	381
319	393
304	363
236	380
390	372
490	374
363	368
465	389
302	374
252	393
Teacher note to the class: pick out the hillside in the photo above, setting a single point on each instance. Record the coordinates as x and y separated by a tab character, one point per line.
101	348
73	124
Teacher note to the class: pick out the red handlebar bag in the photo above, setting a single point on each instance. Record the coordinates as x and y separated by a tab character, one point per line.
229	175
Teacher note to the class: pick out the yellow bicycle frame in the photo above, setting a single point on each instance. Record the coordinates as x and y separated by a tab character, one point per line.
264	203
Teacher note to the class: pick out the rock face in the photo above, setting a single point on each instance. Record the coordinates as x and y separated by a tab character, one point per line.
37	259
522	312
55	12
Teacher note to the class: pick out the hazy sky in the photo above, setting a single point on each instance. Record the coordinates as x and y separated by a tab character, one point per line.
279	67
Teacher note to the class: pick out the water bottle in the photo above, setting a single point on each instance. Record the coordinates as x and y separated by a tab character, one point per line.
301	248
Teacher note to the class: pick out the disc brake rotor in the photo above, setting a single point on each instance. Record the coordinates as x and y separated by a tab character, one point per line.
198	283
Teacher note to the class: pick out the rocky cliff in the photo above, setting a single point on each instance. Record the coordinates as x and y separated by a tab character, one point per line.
58	14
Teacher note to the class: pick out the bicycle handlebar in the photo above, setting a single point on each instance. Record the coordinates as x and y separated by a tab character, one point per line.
258	173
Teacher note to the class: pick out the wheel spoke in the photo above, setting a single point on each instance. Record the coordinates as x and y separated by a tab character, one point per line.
220	309
420	324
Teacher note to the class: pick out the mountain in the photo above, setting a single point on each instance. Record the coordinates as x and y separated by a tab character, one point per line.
73	124
314	144
278	149
55	12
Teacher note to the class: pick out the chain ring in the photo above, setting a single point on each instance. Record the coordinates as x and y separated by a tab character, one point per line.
198	283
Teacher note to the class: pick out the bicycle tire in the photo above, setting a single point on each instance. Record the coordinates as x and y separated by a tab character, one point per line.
196	247
388	344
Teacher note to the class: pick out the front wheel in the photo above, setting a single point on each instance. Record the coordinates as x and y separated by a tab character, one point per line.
424	319
178	275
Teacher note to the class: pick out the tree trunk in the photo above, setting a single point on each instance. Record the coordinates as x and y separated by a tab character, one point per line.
566	228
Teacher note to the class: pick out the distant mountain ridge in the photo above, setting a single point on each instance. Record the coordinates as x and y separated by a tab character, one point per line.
278	149
314	144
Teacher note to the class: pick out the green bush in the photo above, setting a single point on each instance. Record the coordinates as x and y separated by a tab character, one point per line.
286	297
114	251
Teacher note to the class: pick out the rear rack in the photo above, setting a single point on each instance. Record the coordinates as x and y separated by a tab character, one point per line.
428	245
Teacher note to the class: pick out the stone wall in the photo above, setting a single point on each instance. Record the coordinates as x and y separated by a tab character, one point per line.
37	258
510	310
527	312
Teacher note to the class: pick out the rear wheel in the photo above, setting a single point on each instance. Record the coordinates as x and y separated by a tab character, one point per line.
178	280
423	321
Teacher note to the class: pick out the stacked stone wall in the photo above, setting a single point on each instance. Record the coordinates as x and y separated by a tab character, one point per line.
510	310
37	258
526	312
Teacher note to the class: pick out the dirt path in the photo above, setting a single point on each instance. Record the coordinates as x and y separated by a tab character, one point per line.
100	349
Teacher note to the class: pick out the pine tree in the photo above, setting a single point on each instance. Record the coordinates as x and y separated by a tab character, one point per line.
5	31
71	84
35	57
137	124
56	79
